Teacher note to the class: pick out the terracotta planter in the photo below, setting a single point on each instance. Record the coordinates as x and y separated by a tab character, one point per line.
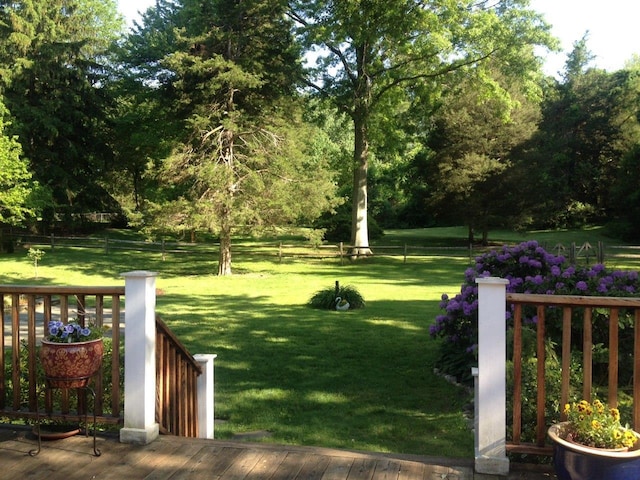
71	365
573	461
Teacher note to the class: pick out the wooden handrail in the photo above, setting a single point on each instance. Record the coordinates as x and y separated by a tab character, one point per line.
176	384
30	308
568	303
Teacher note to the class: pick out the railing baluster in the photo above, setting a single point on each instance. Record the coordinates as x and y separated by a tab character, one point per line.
177	370
541	397
115	356
15	346
636	371
27	326
3	389
31	353
568	303
517	373
587	354
613	358
566	358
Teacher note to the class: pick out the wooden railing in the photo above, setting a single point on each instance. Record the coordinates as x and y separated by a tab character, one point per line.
177	374
541	305
26	313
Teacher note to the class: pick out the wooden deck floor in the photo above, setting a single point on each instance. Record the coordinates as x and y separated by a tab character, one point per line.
181	458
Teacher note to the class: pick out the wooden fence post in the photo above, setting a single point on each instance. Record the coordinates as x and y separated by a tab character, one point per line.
206	395
140	426
491	422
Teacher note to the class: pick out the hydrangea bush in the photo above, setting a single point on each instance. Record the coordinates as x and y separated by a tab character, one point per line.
529	268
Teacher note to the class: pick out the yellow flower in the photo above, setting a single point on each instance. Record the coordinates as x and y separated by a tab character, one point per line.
629	439
597	425
615	413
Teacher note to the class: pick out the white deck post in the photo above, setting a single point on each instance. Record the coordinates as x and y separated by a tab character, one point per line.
206	395
140	425
491	421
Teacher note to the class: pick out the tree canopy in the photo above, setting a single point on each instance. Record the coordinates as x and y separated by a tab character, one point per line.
233	117
53	70
378	48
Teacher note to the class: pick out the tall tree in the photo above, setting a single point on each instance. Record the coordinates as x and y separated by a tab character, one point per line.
52	77
589	122
243	157
20	197
473	144
368	50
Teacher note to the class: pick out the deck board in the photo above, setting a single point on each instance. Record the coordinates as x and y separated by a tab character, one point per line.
176	458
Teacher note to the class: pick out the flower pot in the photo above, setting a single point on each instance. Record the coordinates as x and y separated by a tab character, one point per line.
573	461
71	365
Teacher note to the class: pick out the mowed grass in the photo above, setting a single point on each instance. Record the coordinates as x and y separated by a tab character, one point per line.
360	379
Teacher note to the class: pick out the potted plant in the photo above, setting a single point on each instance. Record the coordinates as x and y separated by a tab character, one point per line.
71	354
593	443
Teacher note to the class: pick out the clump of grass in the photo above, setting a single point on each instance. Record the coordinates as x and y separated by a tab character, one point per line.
325	299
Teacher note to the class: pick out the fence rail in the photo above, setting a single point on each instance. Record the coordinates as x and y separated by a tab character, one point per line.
340	251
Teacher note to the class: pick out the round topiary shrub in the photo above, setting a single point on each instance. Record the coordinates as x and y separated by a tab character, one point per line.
325	299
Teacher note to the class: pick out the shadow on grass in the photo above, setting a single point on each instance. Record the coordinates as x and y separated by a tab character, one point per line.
361	379
339	379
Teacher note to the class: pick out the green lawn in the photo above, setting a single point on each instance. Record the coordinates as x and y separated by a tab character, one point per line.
360	379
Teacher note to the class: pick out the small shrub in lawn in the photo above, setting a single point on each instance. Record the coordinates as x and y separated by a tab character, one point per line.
325	299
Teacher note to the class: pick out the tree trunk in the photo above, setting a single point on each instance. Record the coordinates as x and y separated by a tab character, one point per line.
227	151
485	235
224	257
359	208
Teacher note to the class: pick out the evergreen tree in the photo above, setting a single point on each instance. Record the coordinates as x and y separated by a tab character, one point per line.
52	69
589	123
474	142
243	157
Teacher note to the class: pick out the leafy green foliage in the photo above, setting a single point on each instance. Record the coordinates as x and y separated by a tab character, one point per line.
52	60
374	56
17	190
337	225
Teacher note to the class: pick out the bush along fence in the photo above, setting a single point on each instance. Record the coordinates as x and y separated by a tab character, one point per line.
585	253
